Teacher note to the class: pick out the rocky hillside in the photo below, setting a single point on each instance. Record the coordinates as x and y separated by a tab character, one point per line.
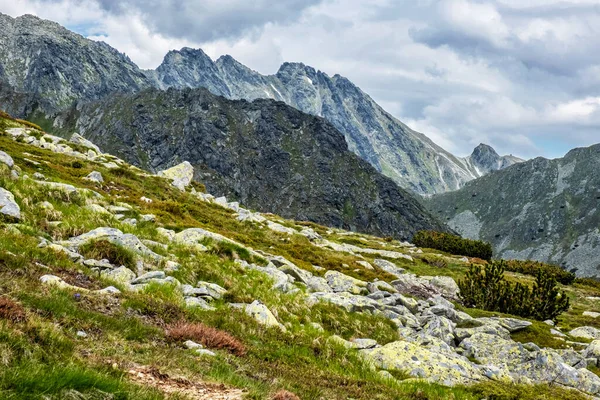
545	210
264	154
117	283
49	67
406	156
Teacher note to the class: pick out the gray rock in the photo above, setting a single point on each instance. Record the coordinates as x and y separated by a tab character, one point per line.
205	353
121	275
8	205
6	159
148	276
343	283
263	315
585	332
389	267
192	345
362	344
95	176
180	175
198	302
80	140
348	301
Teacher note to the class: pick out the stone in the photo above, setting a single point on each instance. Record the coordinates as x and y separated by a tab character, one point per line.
263	315
121	275
317	284
377	286
343	283
591	314
585	332
198	302
549	322
558	333
212	289
592	350
511	324
180	175
441	328
419	362
148	217
491	329
64	187
8	205
310	234
6	159
97	209
108	290
81	334
148	276
39	176
52	280
362	344
389	267
190	344
80	140
348	301
341	342
366	264
282	281
94	176
205	353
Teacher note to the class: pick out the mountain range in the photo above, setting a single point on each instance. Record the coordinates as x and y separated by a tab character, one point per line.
60	67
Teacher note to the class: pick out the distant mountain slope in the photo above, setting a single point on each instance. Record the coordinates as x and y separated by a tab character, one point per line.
265	154
541	209
406	156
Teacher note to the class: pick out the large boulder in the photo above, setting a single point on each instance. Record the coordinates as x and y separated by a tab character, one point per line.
419	362
263	315
389	267
80	140
8	205
343	283
180	175
6	159
585	332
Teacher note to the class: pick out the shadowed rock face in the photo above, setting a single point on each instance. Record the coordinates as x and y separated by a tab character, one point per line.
541	209
485	159
265	154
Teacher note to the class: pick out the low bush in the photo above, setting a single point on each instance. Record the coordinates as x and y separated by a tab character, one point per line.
453	244
484	287
434	261
208	336
284	395
11	311
589	282
77	164
103	249
532	268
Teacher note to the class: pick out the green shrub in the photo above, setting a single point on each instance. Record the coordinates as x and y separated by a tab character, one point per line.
593	282
532	268
453	244
484	287
114	253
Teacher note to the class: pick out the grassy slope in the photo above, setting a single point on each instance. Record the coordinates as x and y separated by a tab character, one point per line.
43	355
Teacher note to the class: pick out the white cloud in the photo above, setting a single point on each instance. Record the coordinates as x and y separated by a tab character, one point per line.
510	73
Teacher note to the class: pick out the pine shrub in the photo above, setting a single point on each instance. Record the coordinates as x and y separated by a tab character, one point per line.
453	244
484	287
532	268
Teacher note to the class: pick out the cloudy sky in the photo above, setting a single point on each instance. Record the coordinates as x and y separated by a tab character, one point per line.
521	75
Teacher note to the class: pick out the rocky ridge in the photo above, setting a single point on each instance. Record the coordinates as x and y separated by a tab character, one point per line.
545	210
436	342
45	68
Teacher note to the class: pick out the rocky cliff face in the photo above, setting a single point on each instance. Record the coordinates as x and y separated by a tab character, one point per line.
43	59
265	154
406	156
540	209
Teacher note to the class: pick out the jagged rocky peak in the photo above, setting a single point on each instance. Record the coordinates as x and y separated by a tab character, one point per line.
485	159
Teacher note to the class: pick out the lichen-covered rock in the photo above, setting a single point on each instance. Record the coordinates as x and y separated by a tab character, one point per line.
585	332
511	324
420	362
8	205
180	175
212	289
441	328
149	276
343	283
122	275
263	315
389	267
198	302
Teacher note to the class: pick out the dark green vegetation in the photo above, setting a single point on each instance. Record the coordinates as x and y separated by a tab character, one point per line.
533	268
453	244
103	249
485	287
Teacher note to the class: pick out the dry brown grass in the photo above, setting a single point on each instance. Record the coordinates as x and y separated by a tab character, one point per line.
11	311
208	336
285	395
